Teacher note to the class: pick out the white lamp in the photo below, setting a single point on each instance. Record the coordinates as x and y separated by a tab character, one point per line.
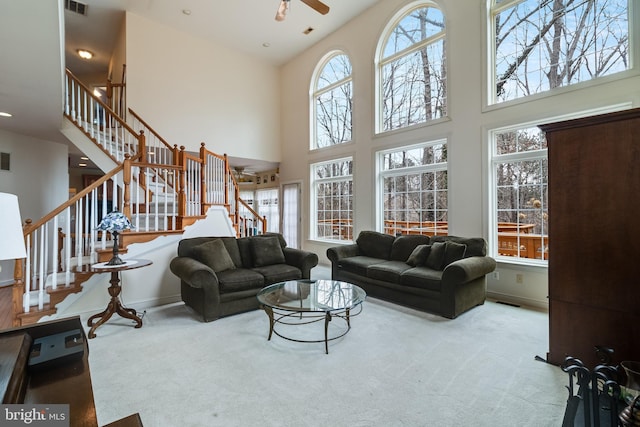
11	235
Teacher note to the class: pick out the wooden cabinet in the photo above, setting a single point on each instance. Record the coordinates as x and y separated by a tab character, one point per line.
594	236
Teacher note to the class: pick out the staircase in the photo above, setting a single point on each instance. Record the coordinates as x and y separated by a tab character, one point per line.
160	188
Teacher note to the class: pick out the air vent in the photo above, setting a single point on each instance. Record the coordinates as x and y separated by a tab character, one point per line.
5	161
76	7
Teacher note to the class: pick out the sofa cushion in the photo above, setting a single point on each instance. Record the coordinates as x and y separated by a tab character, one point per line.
476	246
266	251
388	271
358	264
404	245
453	252
423	278
436	256
232	247
214	255
239	279
374	244
419	255
278	273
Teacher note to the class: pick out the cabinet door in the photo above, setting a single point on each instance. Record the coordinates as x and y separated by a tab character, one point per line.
594	245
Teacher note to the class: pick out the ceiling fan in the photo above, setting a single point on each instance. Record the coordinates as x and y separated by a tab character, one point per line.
316	5
242	175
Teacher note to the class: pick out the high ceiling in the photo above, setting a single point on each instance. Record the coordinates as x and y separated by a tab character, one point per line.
31	69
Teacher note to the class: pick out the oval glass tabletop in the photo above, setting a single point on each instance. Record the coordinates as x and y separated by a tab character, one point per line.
312	295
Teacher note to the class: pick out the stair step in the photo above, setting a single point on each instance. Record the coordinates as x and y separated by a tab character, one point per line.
35	314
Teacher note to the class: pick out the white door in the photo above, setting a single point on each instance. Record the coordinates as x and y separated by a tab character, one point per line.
291	214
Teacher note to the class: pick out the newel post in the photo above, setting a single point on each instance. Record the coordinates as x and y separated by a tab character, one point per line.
204	206
126	173
227	173
182	201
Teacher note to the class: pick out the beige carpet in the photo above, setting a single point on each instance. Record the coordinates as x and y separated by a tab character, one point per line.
396	367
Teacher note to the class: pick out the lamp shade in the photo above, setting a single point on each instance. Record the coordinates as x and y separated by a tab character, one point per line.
11	235
115	221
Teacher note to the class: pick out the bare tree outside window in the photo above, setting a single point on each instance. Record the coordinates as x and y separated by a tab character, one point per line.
413	70
333	103
544	44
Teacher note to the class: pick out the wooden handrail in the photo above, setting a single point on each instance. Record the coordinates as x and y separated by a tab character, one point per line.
29	228
102	104
152	130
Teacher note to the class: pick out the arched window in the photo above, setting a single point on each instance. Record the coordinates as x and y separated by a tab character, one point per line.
412	69
332	102
542	45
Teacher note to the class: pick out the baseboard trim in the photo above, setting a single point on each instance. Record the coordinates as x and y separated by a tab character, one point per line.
518	301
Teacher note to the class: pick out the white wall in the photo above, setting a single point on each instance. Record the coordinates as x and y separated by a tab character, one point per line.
38	176
465	130
191	91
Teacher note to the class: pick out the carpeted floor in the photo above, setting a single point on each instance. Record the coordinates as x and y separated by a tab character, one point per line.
396	367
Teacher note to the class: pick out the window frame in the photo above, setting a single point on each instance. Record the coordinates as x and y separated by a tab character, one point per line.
379	63
315	93
492	232
314	181
489	52
381	174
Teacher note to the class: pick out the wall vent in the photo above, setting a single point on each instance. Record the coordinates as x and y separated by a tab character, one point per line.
5	161
76	7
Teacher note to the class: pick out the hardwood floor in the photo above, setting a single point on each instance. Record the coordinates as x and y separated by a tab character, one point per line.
5	307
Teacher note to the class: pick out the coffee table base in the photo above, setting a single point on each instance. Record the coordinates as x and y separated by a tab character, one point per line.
280	317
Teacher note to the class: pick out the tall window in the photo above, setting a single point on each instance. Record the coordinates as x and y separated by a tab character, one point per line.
540	45
332	184
267	206
413	187
412	70
519	169
332	102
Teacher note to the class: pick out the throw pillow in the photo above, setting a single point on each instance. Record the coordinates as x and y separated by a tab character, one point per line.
419	255
266	251
453	252
436	256
214	255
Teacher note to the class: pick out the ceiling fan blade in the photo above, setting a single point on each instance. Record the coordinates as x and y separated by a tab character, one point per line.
282	10
317	5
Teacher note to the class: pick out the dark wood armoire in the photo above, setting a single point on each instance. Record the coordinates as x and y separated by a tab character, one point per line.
594	237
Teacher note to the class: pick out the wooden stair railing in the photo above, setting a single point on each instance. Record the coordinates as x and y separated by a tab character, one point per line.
99	122
48	265
159	197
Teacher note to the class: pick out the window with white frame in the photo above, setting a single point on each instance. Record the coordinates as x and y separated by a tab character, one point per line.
519	182
541	45
332	102
412	69
414	189
332	189
267	207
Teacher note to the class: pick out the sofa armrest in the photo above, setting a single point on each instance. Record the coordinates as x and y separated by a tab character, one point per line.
468	269
336	253
304	260
193	272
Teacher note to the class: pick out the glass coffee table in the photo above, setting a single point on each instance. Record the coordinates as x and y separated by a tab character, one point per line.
301	302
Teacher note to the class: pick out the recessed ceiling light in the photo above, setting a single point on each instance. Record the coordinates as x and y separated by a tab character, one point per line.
82	165
186	11
84	158
85	54
266	44
3	114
